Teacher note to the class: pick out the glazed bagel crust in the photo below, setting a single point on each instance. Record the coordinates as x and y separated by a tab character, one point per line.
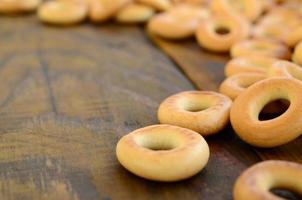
255	183
202	111
187	152
236	84
249	64
274	132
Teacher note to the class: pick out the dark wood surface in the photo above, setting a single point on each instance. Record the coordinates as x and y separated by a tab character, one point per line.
68	94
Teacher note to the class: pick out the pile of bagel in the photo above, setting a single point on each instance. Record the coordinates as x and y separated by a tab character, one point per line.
264	76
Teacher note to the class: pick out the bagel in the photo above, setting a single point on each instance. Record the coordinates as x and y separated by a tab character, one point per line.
256	182
160	5
270	133
268	5
250	9
18	6
269	25
163	152
179	22
236	84
294	37
134	13
202	111
249	64
103	10
297	55
260	47
62	12
286	69
220	32
192	2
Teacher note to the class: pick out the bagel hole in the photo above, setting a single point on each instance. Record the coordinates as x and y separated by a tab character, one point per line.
159	143
159	147
286	194
196	108
222	30
258	47
274	109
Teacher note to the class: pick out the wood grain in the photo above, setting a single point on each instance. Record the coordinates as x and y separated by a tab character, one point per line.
206	71
68	95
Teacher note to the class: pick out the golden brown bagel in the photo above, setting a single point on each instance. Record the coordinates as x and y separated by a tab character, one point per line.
249	64
256	182
161	5
220	32
270	133
260	47
297	56
18	6
236	84
251	9
179	22
134	13
201	111
269	26
62	12
103	10
286	69
294	37
163	152
192	2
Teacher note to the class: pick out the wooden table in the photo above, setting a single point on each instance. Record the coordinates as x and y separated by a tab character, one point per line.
68	94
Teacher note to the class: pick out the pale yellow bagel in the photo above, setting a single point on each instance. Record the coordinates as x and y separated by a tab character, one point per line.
268	5
201	111
62	12
163	152
260	47
161	5
17	6
274	132
179	22
192	2
294	37
251	9
269	26
297	56
103	10
256	182
249	64
286	69
236	84
134	13
220	32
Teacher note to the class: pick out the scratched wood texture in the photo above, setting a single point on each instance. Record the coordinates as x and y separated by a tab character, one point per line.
68	94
